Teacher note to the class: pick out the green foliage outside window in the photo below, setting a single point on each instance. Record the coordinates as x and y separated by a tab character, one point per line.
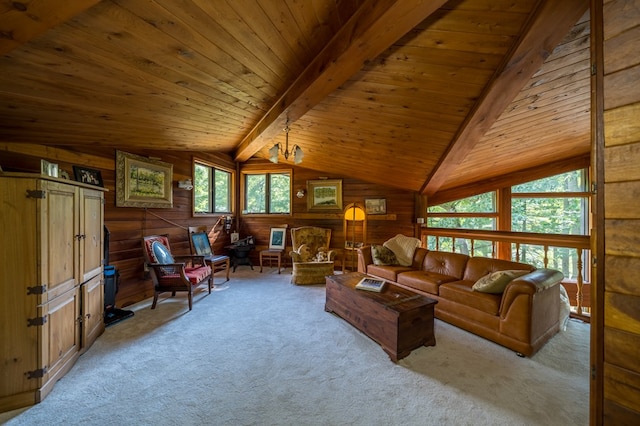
211	190
268	193
553	205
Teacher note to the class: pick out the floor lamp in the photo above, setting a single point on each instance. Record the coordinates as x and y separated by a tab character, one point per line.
354	213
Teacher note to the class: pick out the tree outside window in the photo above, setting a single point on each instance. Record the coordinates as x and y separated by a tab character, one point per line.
267	193
212	189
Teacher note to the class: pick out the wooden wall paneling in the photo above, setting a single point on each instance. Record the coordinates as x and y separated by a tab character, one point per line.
621	153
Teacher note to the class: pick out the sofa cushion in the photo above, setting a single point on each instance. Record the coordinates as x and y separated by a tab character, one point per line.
478	267
496	282
403	247
461	292
388	272
382	255
445	263
424	280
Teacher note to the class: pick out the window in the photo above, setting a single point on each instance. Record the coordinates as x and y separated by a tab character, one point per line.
477	212
555	205
212	189
267	193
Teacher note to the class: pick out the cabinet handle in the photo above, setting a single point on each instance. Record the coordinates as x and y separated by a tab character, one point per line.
88	316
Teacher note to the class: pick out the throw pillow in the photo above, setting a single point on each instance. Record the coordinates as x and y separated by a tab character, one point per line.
496	282
382	255
403	247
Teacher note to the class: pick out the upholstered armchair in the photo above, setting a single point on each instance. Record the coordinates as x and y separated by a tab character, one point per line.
311	257
173	273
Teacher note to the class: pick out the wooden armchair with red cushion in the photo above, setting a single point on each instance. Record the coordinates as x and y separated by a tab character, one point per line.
173	273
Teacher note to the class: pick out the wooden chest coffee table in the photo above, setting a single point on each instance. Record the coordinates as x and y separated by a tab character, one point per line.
397	319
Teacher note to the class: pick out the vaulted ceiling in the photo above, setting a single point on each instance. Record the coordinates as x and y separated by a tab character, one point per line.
422	95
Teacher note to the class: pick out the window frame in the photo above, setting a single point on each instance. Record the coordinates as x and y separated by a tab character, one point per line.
232	185
267	173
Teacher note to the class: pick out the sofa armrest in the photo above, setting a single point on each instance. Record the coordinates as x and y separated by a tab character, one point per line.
540	280
364	258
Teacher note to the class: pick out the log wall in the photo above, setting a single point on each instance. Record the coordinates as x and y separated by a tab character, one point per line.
621	292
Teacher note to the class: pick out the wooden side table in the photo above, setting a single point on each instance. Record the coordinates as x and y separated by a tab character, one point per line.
271	255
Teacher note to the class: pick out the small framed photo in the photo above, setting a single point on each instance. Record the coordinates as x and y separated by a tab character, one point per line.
86	175
375	206
48	169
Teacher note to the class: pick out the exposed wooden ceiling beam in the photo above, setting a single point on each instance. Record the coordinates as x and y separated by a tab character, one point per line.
372	29
20	21
551	22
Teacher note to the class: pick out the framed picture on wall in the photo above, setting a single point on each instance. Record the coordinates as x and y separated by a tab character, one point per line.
375	206
324	194
143	182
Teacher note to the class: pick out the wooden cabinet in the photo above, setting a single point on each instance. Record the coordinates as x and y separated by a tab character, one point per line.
51	295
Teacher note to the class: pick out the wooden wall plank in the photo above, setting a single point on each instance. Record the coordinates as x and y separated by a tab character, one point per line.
622	386
617	203
622	312
623	125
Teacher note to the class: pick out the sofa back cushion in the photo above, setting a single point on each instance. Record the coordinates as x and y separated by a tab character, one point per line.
418	257
445	263
478	267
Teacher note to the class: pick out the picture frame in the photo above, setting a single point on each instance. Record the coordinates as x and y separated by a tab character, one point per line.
48	169
201	244
324	194
375	206
143	182
277	238
89	176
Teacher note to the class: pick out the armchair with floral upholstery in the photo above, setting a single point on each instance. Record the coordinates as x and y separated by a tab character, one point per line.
311	257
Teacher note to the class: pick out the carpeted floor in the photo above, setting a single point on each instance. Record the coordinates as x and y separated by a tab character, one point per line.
261	351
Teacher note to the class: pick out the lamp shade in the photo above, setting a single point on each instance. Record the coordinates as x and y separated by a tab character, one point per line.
354	213
297	155
273	153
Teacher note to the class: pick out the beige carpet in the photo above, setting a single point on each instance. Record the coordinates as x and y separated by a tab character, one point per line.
261	351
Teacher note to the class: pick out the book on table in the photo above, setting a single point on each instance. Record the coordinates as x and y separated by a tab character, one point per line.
371	284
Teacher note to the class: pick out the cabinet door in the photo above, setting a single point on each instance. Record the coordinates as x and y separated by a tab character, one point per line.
92	233
60	336
59	233
92	311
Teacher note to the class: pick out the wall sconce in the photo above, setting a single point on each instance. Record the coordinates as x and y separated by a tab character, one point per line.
185	184
300	193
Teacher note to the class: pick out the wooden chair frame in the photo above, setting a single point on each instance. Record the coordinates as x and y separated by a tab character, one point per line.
186	273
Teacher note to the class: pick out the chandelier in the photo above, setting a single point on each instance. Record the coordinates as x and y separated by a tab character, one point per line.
296	151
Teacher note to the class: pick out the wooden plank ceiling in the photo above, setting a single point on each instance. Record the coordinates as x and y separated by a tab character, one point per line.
422	95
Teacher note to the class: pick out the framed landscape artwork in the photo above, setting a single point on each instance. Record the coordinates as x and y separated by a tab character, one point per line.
324	194
143	182
375	206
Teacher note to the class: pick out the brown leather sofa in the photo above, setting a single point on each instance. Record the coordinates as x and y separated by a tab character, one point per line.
523	318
